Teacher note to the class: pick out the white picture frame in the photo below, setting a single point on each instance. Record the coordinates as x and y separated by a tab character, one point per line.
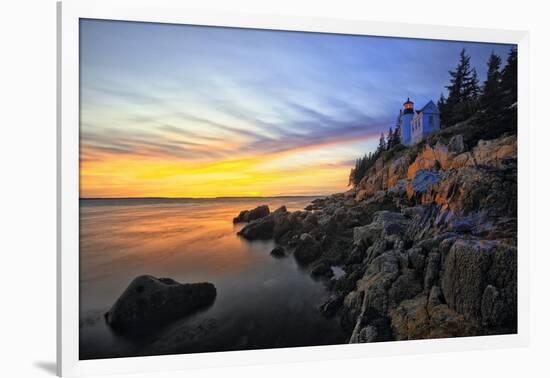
69	13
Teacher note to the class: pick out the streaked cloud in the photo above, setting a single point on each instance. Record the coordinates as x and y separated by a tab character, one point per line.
174	110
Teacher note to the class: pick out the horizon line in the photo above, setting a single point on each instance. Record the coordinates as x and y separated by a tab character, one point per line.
220	197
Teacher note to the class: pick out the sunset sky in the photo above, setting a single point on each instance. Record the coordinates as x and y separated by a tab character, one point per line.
190	111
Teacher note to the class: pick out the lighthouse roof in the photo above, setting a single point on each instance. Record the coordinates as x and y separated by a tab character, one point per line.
408	101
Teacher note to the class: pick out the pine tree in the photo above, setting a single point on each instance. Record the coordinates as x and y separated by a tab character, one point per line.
381	144
442	106
390	139
510	77
492	96
492	90
397	135
463	89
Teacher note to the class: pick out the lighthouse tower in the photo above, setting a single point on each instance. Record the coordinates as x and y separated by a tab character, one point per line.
406	118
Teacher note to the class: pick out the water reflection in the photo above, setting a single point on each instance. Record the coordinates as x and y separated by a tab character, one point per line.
262	302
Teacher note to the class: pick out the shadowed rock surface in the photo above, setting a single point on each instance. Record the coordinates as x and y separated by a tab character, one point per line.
150	301
427	241
250	215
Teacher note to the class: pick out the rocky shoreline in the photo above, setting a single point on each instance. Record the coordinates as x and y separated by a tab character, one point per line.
427	241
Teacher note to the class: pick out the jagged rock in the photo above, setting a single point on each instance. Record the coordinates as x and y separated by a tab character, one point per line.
432	269
150	301
331	306
250	215
495	152
456	144
464	275
361	195
397	171
406	286
385	223
421	182
278	252
307	250
417	260
435	297
368	334
258	229
415	319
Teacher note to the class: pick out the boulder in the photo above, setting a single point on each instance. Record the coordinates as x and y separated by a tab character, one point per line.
307	249
278	252
464	275
456	144
250	215
321	269
423	318
259	229
150	301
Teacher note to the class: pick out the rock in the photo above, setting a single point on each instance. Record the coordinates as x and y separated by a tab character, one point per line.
361	195
416	260
321	269
368	334
456	144
250	215
278	252
280	210
495	152
397	171
331	306
258	229
426	160
432	270
415	319
406	286
421	182
307	250
435	298
464	276
150	301
384	224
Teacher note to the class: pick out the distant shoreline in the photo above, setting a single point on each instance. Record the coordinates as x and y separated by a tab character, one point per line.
196	198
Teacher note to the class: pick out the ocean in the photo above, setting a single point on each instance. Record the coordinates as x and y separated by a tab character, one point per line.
262	301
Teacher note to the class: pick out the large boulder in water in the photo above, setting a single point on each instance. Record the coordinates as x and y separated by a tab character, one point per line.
150	301
250	215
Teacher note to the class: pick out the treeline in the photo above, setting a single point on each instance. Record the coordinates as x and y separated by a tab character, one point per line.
492	103
363	164
490	107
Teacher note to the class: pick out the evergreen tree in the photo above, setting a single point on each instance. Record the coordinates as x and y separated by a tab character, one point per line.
390	140
461	101
397	135
492	96
510	78
381	144
442	106
492	91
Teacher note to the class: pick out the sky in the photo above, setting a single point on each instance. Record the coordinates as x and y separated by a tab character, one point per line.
193	111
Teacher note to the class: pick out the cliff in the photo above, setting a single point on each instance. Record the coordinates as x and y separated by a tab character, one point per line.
427	241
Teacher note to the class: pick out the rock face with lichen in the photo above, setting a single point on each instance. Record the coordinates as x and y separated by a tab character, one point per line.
427	240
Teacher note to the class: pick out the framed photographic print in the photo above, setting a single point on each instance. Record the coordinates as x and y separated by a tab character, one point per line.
239	189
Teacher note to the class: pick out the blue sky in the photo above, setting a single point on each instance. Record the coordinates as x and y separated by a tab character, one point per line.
205	94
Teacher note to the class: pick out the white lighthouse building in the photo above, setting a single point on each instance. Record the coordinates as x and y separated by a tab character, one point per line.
415	125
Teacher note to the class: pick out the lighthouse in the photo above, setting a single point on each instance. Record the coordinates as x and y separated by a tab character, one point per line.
406	116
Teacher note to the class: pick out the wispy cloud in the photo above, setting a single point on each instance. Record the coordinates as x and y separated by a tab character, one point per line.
179	110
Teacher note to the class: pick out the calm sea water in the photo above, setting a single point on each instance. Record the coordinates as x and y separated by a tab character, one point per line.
262	302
